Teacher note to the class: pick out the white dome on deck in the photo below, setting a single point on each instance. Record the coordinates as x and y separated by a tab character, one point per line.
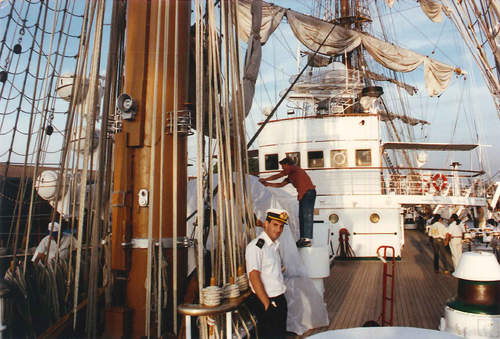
478	266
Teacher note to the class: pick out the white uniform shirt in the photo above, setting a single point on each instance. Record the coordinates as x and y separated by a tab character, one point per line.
64	246
438	230
456	230
266	259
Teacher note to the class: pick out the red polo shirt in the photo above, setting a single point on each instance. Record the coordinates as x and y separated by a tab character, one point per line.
299	179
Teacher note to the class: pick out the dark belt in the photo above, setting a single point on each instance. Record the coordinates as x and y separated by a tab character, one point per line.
277	297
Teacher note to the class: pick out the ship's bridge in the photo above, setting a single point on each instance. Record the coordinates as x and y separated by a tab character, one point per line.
342	154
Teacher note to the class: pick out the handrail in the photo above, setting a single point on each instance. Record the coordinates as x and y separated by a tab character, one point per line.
197	310
476	172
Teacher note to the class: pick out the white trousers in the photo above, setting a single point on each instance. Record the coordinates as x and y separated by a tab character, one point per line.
456	250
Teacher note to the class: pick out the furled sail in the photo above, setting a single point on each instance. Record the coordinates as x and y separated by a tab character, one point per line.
271	18
317	60
385	116
311	32
431	8
411	90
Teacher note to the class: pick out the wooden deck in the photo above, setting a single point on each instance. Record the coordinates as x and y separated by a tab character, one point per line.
353	292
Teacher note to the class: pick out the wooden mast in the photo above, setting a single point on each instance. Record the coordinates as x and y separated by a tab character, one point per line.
345	19
132	163
346	22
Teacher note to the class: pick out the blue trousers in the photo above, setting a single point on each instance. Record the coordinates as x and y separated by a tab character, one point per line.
306	214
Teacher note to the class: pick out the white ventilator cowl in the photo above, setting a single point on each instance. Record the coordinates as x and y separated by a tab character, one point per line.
478	266
46	184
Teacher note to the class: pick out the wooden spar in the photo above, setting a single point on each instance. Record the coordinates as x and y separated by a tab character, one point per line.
132	163
347	58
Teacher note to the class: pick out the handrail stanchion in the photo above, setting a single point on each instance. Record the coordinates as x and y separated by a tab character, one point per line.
229	327
188	327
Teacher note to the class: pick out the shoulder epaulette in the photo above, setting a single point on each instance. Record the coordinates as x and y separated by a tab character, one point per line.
260	243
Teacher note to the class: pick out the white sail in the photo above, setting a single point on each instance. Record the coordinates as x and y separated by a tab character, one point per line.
331	39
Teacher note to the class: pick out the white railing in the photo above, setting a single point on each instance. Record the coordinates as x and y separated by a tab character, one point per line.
433	182
403	181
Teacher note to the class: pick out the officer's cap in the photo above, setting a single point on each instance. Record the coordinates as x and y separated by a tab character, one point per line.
54	227
277	214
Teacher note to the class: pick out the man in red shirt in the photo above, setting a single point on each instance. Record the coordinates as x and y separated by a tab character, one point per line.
306	194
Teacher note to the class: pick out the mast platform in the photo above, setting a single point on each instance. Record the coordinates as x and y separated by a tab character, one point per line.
353	292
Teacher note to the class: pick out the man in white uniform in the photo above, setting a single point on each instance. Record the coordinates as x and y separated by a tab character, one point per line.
454	234
437	232
266	278
66	242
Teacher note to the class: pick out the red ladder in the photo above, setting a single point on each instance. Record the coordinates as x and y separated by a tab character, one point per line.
385	298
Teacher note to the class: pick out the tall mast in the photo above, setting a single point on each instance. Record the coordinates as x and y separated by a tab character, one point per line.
346	22
138	157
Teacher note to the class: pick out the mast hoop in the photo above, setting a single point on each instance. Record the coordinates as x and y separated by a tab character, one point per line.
183	123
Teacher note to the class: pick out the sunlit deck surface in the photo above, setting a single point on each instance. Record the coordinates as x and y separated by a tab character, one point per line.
353	292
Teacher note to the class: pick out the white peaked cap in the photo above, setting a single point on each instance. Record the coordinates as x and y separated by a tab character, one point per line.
54	228
277	214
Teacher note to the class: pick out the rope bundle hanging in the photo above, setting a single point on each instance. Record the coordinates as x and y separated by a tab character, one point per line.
344	251
221	159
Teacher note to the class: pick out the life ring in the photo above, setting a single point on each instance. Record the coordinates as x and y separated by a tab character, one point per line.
439	181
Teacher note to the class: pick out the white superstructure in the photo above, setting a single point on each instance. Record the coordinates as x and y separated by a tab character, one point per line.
339	145
341	154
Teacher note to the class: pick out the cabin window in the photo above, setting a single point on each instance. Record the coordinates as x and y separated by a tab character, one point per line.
363	157
338	158
294	156
315	159
271	162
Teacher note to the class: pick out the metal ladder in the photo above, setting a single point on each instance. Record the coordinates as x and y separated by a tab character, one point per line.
385	298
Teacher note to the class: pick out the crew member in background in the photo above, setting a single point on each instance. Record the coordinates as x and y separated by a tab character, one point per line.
67	242
438	233
495	241
266	277
306	194
454	235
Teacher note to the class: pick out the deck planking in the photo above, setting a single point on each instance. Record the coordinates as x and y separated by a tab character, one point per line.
353	292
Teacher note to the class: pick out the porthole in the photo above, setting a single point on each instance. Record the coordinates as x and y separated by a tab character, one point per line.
333	218
374	218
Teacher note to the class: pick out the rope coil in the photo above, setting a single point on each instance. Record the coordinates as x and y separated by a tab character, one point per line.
211	296
242	282
231	291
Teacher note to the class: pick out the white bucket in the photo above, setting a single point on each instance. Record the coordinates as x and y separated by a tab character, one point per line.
316	261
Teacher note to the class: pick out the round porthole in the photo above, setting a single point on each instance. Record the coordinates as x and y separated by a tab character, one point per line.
339	159
374	218
333	218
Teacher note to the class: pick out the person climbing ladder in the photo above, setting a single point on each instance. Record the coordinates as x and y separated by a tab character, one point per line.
306	194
